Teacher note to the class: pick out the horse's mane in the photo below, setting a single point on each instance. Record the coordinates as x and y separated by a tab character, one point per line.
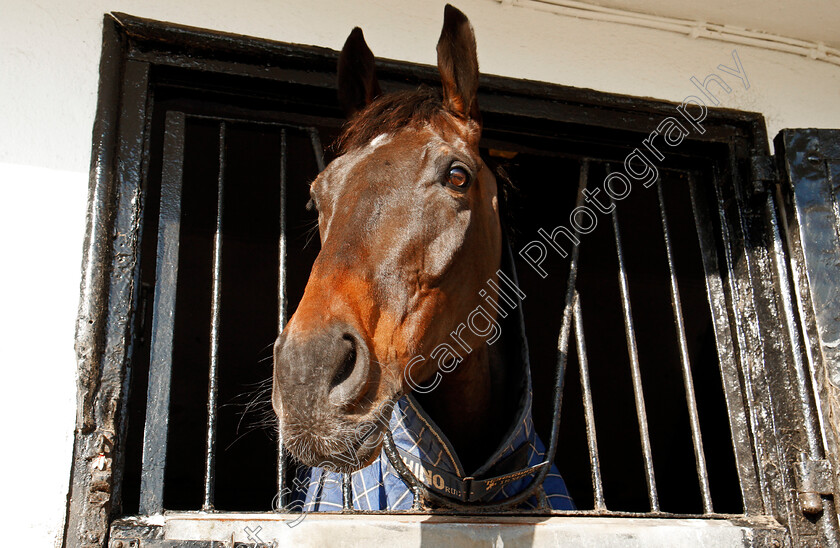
389	113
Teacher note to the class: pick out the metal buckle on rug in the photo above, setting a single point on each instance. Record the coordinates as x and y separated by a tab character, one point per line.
467	489
487	488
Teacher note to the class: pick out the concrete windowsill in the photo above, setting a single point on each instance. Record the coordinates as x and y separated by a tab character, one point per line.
447	530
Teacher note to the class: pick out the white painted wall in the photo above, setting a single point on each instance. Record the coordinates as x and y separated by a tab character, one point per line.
41	228
49	52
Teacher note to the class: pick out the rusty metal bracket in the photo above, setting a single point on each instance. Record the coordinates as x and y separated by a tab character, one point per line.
813	478
124	543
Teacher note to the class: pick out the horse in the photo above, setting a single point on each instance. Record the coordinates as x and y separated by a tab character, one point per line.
396	336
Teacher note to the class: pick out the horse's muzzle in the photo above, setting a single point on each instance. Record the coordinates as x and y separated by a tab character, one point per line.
327	367
320	378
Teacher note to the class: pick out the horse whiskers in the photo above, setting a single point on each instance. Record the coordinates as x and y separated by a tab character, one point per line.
331	432
310	233
254	396
272	433
260	384
266	347
259	403
260	389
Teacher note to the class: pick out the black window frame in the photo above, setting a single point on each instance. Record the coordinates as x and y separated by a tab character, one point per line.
135	49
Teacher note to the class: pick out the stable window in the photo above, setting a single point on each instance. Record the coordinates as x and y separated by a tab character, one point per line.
670	323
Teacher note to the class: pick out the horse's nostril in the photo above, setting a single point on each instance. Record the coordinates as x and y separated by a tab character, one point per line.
347	365
351	373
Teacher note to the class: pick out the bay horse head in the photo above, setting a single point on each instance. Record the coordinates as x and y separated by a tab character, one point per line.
409	223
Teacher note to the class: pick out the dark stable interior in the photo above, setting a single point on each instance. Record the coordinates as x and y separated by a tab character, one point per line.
545	173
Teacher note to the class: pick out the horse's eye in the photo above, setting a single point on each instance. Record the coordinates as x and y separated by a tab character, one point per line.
458	177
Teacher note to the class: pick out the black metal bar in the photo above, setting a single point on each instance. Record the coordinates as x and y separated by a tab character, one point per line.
416	488
319	492
563	337
738	419
748	342
163	319
215	321
635	370
283	311
685	361
347	491
315	139
588	409
282	302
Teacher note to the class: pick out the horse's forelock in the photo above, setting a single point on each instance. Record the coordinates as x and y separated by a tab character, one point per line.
389	113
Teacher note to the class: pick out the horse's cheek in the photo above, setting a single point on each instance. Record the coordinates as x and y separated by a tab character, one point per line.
441	251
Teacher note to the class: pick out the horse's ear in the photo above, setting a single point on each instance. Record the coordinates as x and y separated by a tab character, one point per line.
357	83
458	64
